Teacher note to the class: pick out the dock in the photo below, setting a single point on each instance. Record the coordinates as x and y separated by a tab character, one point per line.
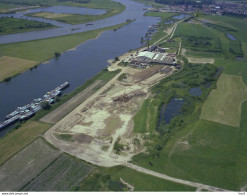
27	111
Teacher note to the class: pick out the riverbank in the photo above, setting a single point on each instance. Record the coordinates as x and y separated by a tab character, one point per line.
77	18
31	50
30	130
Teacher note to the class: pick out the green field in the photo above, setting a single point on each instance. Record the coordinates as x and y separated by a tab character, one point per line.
15	140
108	179
224	104
77	18
26	164
63	174
15	25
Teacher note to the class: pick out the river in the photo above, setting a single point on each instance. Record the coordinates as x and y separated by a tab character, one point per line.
76	66
133	11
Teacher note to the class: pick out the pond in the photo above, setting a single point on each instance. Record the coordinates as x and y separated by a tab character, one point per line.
196	91
180	17
240	58
231	37
172	109
169	22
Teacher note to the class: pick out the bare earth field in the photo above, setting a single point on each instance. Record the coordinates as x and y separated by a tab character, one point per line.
54	116
105	119
64	174
10	66
26	165
224	104
201	60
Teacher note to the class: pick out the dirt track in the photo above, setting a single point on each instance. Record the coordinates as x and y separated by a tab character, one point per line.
57	114
166	177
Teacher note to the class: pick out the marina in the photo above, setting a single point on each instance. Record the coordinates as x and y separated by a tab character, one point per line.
29	110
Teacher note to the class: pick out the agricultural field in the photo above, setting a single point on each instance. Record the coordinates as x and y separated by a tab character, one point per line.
15	25
224	104
63	174
121	178
26	165
17	139
10	66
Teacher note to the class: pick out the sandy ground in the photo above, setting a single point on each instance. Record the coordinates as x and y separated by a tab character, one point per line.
106	118
201	60
54	116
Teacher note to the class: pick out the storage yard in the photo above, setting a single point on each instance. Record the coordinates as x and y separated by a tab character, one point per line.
100	129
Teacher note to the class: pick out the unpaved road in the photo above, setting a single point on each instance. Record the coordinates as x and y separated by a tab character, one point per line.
57	114
166	177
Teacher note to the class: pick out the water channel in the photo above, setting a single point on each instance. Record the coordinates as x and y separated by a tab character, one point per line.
76	66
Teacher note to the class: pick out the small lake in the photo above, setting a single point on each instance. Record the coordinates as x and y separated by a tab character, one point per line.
231	37
169	22
172	109
240	59
180	17
196	91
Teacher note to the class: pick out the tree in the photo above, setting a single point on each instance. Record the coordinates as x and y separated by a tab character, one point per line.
57	54
116	58
45	105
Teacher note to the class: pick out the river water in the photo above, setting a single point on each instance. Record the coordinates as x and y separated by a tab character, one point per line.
76	66
133	11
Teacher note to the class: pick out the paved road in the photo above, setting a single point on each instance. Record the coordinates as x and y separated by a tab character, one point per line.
166	177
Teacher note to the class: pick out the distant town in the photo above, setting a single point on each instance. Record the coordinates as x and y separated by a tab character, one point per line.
220	8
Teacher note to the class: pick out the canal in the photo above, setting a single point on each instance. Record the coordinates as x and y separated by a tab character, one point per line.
76	66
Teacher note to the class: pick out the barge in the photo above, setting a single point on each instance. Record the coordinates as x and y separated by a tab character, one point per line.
27	111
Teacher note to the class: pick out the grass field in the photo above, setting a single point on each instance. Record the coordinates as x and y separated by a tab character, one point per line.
16	25
10	66
103	179
76	18
146	118
224	104
19	138
26	164
63	174
204	151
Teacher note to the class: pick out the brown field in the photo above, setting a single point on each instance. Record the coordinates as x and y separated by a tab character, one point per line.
201	60
57	114
26	164
10	66
224	104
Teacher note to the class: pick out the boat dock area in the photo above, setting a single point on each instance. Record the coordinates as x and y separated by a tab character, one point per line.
29	110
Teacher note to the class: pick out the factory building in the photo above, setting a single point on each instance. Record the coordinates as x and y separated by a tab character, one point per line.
149	57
